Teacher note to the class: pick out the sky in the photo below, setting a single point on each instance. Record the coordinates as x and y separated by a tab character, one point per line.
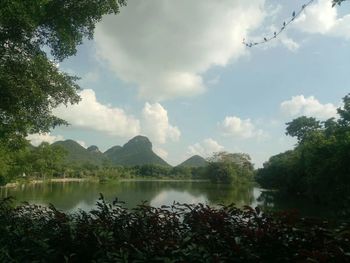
178	73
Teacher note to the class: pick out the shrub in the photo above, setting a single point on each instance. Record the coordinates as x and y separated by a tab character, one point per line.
3	180
177	233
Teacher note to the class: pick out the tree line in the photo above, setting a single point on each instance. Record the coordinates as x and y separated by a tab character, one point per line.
318	168
49	161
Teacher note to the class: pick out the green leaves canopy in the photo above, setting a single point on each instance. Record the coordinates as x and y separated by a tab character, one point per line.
30	83
302	126
227	167
318	167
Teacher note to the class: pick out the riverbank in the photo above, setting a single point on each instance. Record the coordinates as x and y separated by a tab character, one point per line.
40	181
67	180
163	180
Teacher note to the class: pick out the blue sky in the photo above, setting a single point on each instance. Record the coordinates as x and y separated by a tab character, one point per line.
177	72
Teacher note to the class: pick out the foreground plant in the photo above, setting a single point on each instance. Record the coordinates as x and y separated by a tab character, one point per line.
177	233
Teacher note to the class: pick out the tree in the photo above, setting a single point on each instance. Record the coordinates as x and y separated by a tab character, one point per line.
330	126
285	24
318	167
337	2
47	159
301	127
31	85
344	112
4	164
229	167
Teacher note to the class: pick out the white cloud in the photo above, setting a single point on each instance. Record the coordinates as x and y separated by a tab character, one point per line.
165	46
206	148
93	115
233	126
214	81
283	39
36	139
310	106
82	143
322	18
89	77
161	152
288	42
156	124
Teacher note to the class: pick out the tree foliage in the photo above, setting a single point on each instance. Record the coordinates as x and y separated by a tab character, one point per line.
227	167
31	85
302	127
40	162
337	2
294	14
179	233
318	167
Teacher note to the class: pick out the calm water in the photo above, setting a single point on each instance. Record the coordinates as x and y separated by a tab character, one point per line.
71	196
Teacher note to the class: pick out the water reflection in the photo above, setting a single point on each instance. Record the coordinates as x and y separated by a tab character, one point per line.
71	196
168	197
273	201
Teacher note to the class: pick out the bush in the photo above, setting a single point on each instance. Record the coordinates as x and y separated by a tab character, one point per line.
180	233
3	180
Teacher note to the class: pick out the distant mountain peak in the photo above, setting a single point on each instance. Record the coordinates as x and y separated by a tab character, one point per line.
93	149
138	143
194	161
78	154
137	151
69	142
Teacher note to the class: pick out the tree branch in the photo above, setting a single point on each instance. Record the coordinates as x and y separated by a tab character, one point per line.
284	25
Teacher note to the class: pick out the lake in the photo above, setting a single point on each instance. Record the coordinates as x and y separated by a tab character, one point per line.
71	196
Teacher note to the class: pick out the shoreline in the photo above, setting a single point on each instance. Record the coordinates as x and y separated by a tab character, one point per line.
41	181
67	180
163	180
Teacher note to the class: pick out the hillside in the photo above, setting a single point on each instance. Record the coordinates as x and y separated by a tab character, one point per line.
137	151
194	161
113	152
78	154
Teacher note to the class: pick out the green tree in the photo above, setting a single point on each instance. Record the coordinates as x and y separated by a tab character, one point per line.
229	167
31	84
47	160
318	167
344	112
181	171
4	165
20	162
153	170
302	127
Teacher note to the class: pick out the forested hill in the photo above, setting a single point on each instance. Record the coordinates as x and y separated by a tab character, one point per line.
194	161
137	151
78	154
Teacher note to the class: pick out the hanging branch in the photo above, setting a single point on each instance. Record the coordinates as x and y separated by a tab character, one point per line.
284	26
337	2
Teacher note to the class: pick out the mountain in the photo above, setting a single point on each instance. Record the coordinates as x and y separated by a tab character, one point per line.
112	152
94	149
78	154
137	151
194	161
